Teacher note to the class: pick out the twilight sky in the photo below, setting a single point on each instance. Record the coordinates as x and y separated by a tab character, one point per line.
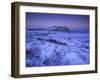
73	22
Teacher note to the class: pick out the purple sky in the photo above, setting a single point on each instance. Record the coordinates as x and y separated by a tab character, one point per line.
73	22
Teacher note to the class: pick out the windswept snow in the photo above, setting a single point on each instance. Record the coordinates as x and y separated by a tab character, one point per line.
55	48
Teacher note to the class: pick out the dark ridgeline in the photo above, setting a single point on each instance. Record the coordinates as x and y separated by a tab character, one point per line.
53	28
61	28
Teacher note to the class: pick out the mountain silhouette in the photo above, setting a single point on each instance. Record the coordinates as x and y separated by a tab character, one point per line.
53	28
61	28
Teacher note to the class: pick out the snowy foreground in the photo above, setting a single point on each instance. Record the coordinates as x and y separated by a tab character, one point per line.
54	48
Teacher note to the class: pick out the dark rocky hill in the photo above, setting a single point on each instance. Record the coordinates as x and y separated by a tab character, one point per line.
61	28
53	28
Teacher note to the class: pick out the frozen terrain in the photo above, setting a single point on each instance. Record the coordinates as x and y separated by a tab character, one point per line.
56	48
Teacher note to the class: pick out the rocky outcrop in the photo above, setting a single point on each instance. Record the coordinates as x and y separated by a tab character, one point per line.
53	28
61	28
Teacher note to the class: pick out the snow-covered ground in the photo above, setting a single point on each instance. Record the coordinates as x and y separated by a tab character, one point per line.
55	48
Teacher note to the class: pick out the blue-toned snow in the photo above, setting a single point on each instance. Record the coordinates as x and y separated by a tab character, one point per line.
55	48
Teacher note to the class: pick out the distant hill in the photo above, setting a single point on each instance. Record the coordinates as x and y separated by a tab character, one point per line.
53	28
61	28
